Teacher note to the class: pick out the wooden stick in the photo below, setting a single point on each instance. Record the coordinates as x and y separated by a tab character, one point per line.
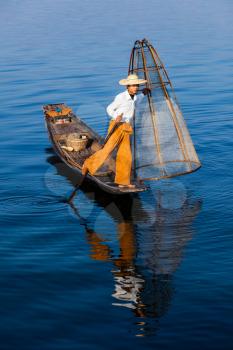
116	126
71	197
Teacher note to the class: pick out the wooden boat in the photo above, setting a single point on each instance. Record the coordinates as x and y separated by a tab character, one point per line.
74	141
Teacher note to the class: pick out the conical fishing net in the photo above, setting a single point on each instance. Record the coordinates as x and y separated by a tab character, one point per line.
162	146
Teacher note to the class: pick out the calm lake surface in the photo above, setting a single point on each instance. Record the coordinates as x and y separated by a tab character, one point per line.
149	272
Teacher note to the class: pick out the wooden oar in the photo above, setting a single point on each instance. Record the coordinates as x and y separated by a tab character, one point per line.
71	197
116	126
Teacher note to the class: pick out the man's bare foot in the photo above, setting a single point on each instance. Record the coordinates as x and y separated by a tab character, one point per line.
127	186
84	170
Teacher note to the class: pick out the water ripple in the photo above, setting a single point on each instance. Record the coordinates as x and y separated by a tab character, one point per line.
29	205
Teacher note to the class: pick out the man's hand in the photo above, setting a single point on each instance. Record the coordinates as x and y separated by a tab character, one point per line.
146	91
119	118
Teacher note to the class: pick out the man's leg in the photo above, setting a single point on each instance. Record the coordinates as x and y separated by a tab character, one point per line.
94	162
121	138
124	162
111	125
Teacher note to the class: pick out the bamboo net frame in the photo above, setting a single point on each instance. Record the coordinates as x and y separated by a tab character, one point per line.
162	146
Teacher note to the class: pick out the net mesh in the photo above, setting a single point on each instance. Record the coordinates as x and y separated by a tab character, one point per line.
162	146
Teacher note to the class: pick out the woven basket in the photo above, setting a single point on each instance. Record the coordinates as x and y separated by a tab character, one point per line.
73	140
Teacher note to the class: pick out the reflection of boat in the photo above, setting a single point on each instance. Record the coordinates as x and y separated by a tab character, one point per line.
122	204
74	141
147	259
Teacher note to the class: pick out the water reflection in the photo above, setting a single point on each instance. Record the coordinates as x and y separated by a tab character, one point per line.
151	237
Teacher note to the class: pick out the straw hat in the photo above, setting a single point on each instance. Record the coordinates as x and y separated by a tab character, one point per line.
132	79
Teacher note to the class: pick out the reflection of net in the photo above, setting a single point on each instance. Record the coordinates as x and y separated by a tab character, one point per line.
162	144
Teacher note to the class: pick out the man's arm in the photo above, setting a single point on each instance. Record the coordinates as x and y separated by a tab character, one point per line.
112	109
140	96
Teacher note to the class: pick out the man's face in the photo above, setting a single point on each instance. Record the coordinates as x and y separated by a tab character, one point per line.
133	89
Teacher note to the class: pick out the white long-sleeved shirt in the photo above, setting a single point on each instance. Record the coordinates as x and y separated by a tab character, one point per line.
123	103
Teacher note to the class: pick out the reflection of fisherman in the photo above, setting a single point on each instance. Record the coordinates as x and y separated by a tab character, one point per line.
144	268
128	283
121	111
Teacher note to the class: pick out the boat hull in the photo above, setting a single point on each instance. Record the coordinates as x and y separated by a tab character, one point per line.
60	129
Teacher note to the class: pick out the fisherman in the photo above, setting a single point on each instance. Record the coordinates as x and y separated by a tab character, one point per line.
121	112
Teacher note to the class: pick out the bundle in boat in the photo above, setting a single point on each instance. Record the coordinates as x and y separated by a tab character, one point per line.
162	144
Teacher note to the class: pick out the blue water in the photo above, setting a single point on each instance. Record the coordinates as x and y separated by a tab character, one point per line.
153	271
